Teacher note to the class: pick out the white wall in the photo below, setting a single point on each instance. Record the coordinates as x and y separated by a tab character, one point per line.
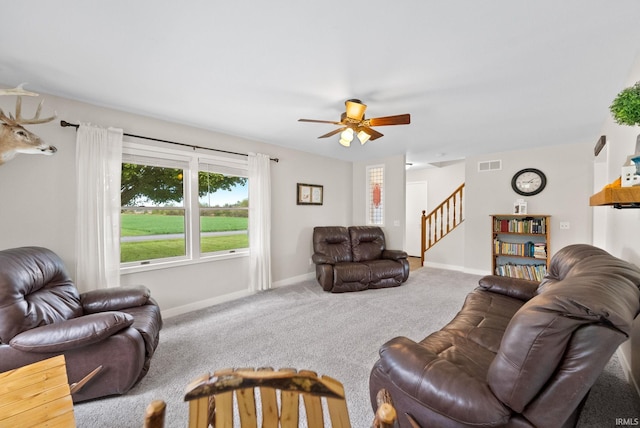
569	173
38	207
620	229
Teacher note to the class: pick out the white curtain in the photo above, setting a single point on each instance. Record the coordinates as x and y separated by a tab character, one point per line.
98	170
259	222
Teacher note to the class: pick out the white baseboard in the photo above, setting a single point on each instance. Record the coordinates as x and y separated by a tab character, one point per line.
293	280
179	310
456	268
626	368
172	312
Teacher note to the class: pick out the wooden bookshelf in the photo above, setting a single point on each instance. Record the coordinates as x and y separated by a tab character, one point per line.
520	245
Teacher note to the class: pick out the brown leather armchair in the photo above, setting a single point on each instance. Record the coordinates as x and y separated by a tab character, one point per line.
519	353
356	258
43	315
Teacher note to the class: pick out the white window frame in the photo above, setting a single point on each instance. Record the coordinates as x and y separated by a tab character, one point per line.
368	206
193	254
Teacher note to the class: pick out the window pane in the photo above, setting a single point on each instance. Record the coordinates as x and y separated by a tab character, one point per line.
224	212
375	184
152	220
155	186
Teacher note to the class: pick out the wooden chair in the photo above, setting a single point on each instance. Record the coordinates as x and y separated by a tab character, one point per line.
211	400
37	395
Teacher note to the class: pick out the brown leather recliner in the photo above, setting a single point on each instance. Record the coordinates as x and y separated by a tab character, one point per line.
356	258
42	315
519	353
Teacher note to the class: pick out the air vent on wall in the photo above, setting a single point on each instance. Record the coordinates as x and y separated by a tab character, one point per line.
493	165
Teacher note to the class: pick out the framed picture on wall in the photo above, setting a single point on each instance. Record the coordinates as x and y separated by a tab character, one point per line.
309	194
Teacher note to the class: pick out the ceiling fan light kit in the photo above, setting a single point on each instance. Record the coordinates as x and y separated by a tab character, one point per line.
352	121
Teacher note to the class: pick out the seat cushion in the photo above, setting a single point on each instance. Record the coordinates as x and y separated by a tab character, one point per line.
453	362
385	273
350	277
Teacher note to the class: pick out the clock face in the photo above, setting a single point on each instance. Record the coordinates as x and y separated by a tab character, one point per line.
528	182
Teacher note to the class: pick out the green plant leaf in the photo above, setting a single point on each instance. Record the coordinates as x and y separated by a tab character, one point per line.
625	108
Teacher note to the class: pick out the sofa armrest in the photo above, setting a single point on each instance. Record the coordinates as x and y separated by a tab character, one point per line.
70	334
521	289
394	254
439	384
114	299
321	259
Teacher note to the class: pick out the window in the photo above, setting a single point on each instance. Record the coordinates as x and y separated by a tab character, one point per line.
224	208
179	206
375	195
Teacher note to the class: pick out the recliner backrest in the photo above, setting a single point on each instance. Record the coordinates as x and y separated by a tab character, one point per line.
367	242
35	290
332	242
558	343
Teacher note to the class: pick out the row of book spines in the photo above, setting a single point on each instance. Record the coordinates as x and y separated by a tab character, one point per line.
530	272
533	225
527	249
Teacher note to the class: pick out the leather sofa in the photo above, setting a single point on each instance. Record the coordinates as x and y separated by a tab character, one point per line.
43	315
356	258
519	353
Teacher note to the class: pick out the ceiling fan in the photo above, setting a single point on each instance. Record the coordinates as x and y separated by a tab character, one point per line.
352	122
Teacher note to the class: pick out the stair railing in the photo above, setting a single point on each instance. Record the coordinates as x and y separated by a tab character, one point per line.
442	220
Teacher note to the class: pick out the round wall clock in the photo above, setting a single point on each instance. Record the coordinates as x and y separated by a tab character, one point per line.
528	182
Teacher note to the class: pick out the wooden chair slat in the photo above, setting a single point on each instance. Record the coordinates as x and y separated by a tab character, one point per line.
313	409
338	413
247	408
224	410
289	405
199	413
270	413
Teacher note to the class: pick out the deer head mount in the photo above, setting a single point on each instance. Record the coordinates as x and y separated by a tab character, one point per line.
14	138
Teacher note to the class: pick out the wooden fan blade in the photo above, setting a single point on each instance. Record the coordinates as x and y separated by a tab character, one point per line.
320	121
329	134
401	119
374	134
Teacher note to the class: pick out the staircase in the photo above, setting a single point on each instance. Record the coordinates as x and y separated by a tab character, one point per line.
442	220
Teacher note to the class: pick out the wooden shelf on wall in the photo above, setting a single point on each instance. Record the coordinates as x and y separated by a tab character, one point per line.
619	197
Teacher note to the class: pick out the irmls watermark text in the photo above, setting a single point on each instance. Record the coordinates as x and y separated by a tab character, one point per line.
627	422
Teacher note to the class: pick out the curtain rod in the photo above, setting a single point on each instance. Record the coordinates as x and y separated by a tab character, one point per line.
66	124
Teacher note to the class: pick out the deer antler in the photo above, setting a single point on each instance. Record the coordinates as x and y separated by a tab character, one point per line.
33	121
18	90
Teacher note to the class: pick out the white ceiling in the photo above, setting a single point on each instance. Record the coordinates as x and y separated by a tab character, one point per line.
476	76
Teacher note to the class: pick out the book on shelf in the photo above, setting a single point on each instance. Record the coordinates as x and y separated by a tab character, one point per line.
532	225
540	250
522	249
530	272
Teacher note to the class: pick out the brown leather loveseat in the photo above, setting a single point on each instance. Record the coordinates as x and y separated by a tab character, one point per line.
519	353
43	315
356	258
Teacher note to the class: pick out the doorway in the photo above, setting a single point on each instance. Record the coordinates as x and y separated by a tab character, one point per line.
416	202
